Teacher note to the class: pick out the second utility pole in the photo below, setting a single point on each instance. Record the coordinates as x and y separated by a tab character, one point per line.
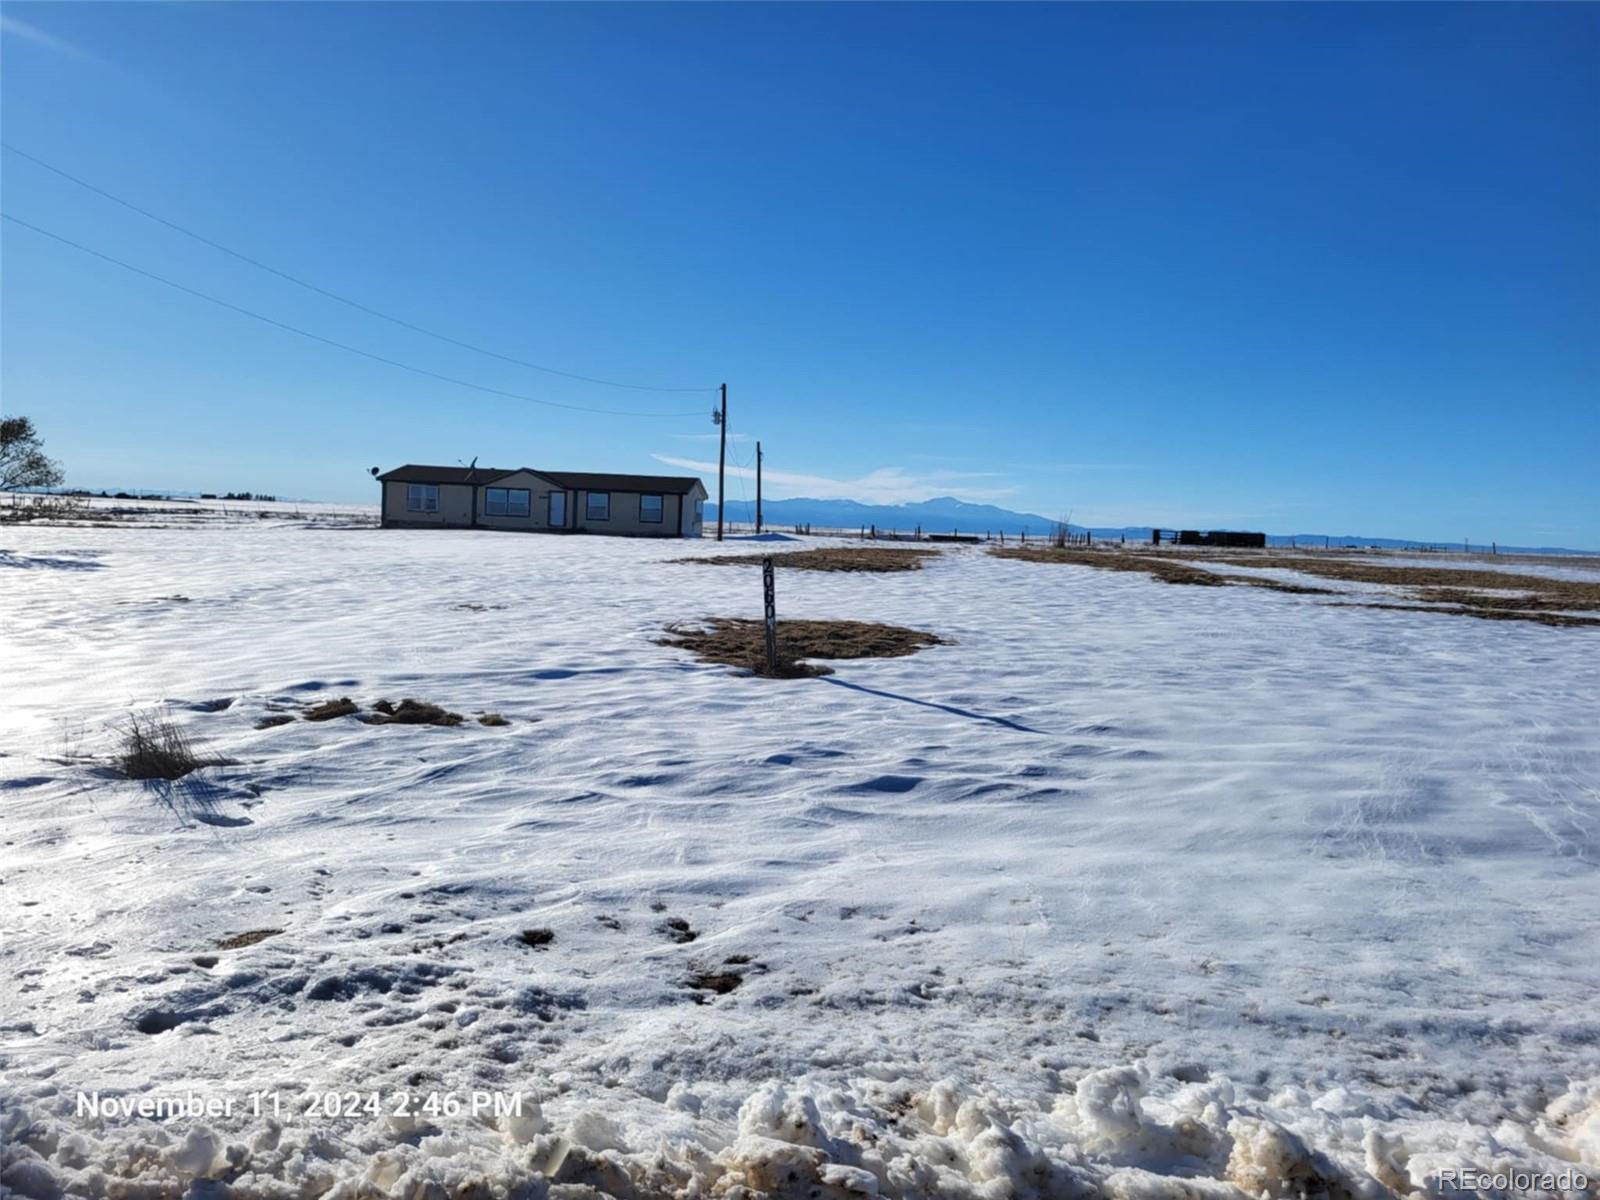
758	487
722	457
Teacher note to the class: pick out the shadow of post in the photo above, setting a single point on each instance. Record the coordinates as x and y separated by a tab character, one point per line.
949	708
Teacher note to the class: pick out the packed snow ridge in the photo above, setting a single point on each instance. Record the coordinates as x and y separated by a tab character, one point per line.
1127	890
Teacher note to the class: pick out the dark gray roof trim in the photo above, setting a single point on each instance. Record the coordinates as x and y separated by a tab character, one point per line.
677	485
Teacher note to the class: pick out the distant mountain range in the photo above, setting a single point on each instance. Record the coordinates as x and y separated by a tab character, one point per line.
946	514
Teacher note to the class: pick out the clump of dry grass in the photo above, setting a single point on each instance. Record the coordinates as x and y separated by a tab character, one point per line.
274	721
411	712
742	643
329	709
864	558
1165	567
155	748
492	719
249	937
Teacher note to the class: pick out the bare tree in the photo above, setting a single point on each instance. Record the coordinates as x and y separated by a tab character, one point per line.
23	463
1063	532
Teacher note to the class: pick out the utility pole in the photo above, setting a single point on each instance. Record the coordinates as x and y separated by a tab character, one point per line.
758	487
722	457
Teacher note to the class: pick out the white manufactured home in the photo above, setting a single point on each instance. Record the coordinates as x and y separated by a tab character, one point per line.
424	497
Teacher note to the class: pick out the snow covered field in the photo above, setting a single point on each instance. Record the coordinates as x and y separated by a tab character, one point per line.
1132	890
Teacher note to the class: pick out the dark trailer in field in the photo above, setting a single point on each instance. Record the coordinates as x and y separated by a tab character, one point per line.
1219	537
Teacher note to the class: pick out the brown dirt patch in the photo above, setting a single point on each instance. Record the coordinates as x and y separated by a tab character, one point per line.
720	982
329	709
1167	568
274	721
677	929
742	643
865	558
238	941
410	712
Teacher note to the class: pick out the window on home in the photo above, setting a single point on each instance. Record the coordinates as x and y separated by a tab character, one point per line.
598	507
650	509
422	497
506	502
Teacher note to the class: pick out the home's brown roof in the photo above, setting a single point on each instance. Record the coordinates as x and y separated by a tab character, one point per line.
414	473
677	485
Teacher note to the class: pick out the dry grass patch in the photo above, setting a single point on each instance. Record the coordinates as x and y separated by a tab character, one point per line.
493	719
1167	568
274	721
249	937
1556	619
1564	593
1462	591
410	712
743	643
865	558
329	709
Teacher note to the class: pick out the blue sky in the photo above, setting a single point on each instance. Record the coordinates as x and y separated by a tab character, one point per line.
1329	267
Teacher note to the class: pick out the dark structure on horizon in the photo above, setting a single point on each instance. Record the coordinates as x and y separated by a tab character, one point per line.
1221	537
1216	537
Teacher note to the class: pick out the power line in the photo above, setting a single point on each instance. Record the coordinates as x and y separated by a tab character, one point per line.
321	291
317	337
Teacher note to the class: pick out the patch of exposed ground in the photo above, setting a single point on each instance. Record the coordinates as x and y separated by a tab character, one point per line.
329	709
410	712
1559	620
718	982
1462	591
1167	568
677	929
863	558
249	937
742	643
1493	595
1564	593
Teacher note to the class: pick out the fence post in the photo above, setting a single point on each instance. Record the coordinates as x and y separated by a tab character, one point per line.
770	605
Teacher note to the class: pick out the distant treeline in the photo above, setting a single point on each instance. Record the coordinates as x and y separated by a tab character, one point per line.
109	495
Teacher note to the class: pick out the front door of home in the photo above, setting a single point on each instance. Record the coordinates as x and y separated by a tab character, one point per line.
558	510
